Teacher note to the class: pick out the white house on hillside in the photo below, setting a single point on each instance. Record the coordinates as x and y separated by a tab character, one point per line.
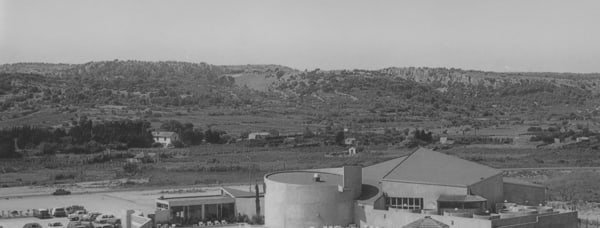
258	135
166	138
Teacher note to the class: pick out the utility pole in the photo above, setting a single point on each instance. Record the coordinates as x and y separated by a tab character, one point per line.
249	174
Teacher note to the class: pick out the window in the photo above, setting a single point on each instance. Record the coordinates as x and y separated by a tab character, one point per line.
162	206
405	203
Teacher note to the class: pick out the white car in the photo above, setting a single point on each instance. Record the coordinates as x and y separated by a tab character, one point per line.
103	218
103	226
91	216
77	215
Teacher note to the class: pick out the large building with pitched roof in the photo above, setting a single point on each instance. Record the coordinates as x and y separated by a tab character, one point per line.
425	187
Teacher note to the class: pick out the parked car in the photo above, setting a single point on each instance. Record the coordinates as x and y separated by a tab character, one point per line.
74	208
59	212
41	213
104	218
32	225
114	221
75	216
80	224
61	191
90	216
55	225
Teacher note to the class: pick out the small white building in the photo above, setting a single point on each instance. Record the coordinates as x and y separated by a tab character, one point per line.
258	135
166	138
349	141
446	141
351	151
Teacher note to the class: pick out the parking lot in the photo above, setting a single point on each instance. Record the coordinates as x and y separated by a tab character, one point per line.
20	222
115	203
107	203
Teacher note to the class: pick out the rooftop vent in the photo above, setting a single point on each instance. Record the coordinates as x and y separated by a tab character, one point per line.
317	177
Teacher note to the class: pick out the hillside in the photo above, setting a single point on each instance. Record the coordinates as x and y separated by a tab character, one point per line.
376	98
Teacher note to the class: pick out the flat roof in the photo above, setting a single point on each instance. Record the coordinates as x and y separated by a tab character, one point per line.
239	193
196	200
306	178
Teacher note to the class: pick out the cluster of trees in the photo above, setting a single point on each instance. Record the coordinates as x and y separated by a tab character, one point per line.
423	136
548	135
130	133
483	140
190	135
84	137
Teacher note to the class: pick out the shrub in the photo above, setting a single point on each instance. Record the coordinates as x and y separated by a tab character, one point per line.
63	176
178	144
130	168
257	220
534	129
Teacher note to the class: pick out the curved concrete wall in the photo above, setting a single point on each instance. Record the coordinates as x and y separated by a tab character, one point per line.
353	179
303	206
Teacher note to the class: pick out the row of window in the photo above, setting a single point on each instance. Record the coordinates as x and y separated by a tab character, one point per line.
405	203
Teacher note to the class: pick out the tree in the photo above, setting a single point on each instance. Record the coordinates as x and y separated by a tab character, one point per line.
178	144
308	133
257	200
214	136
340	137
173	125
130	168
7	148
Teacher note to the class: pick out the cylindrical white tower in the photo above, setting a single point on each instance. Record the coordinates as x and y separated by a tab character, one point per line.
302	199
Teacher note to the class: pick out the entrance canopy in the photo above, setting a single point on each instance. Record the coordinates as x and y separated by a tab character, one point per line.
461	202
461	198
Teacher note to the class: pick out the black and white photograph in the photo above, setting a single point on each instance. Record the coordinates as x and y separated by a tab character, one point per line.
299	114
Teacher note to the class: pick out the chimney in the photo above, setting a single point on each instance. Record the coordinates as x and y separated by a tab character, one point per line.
317	177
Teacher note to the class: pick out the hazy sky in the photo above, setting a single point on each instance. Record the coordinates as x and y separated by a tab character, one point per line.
498	35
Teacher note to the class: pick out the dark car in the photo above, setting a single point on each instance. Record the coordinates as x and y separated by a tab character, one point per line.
61	191
55	224
32	225
75	208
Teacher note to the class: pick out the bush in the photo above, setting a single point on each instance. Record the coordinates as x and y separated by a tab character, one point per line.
130	168
48	148
534	129
63	176
157	145
178	144
242	218
257	220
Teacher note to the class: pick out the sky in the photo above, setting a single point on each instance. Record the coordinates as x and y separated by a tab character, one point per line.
496	35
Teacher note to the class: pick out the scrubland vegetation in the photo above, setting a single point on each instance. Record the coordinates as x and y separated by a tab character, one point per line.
59	119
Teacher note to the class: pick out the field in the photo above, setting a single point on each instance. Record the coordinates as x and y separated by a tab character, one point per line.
205	164
530	158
